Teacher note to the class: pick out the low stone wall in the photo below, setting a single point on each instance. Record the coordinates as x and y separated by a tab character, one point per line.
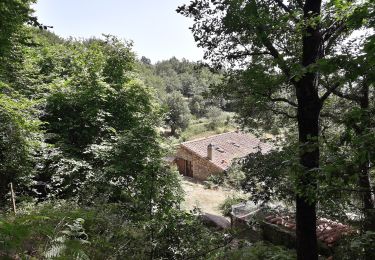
280	236
280	230
277	235
253	234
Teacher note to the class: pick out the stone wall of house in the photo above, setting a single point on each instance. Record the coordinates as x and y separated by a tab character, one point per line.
202	168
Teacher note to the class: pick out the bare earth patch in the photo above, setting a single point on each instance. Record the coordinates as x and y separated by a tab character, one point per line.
207	200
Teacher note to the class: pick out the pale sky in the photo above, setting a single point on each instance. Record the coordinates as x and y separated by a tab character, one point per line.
157	30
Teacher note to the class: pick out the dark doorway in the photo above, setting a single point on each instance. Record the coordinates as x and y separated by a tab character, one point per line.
185	167
189	168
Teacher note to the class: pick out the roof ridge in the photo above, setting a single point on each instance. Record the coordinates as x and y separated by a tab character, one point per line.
208	137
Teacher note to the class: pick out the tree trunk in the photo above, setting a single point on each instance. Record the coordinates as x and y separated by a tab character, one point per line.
309	107
308	125
367	198
364	182
173	131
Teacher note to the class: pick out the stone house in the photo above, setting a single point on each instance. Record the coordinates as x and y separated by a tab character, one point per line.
203	157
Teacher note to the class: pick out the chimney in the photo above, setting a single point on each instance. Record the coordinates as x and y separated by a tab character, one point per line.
209	151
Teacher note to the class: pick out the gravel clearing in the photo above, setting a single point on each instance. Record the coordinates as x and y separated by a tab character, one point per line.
207	200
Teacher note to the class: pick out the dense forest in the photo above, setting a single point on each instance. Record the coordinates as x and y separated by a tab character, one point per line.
183	89
86	125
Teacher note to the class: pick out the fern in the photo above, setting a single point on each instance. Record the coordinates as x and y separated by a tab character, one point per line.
56	249
68	242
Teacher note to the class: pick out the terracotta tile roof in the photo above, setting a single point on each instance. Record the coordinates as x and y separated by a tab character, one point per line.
328	231
227	147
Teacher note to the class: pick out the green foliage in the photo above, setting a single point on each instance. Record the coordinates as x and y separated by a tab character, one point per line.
266	176
235	176
178	115
19	138
191	79
91	138
86	112
197	105
226	206
46	231
93	114
258	251
182	235
200	128
101	147
214	114
98	123
14	14
19	129
357	247
119	59
79	121
67	231
216	179
67	242
258	43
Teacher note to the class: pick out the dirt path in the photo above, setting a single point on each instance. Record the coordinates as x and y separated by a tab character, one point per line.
208	200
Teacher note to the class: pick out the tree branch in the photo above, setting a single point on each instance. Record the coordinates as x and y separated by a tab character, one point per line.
286	9
269	46
283	100
239	55
346	96
260	31
278	112
331	116
334	90
328	93
353	190
331	36
278	99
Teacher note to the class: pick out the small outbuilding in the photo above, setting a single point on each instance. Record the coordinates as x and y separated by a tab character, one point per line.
203	157
279	227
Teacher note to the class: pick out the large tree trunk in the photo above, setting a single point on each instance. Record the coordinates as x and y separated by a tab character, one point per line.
308	125
309	107
364	182
367	198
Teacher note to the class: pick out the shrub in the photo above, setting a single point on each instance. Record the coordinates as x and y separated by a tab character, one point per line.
235	176
217	179
357	247
214	115
67	231
257	251
226	206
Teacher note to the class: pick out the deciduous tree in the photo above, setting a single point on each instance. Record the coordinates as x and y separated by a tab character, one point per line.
178	115
274	49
